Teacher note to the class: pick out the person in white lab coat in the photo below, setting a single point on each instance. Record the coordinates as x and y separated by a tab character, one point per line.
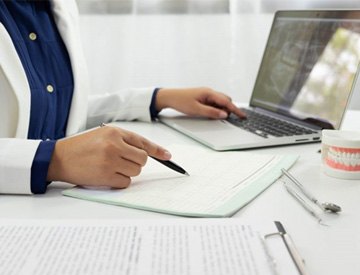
38	109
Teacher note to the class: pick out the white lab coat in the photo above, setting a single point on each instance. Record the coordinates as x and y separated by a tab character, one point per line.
16	152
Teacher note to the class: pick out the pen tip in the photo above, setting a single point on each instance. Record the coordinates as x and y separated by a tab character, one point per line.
187	174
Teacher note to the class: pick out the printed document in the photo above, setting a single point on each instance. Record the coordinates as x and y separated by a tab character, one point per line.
132	247
220	183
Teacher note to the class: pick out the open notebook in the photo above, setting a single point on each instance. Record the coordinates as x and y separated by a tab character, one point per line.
220	183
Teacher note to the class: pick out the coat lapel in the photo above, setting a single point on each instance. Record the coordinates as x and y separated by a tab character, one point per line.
11	67
67	20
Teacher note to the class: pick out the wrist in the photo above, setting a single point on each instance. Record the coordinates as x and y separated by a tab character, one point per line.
54	171
162	99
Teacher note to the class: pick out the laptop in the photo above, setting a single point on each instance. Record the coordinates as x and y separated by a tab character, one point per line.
308	71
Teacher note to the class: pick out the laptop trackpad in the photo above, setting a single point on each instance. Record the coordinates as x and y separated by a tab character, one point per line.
217	132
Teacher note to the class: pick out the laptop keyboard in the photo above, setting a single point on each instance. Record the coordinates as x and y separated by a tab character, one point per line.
266	126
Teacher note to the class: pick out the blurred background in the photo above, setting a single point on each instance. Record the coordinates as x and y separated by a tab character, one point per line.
183	43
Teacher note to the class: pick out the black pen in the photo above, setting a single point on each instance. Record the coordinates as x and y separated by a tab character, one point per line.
172	166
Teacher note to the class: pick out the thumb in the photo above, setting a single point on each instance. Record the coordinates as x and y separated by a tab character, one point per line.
211	112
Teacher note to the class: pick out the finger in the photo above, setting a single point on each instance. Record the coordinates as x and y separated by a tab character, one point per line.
211	112
118	180
219	99
232	108
114	180
224	102
149	147
118	148
132	153
127	168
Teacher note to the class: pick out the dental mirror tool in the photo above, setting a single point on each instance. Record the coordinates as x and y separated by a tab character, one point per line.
325	206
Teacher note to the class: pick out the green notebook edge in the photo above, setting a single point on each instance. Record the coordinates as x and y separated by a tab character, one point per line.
227	210
256	188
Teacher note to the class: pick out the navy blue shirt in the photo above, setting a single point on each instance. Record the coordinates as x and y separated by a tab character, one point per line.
44	57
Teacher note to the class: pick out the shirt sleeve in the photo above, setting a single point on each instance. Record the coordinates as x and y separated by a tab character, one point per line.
40	166
153	112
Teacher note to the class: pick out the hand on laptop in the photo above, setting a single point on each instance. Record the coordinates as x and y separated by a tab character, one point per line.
203	102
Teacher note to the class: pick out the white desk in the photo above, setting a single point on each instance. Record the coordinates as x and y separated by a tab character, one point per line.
327	250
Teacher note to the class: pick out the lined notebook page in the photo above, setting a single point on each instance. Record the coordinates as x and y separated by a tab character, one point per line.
219	184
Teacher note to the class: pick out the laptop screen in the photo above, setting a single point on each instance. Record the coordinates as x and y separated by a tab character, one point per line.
309	65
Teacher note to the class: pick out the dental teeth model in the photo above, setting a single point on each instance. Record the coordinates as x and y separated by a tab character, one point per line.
344	158
341	153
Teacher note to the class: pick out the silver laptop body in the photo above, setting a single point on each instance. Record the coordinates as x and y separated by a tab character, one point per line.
307	74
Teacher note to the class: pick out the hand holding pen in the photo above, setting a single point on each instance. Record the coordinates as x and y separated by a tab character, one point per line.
105	156
167	163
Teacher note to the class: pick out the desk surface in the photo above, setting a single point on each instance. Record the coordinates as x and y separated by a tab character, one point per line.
327	250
